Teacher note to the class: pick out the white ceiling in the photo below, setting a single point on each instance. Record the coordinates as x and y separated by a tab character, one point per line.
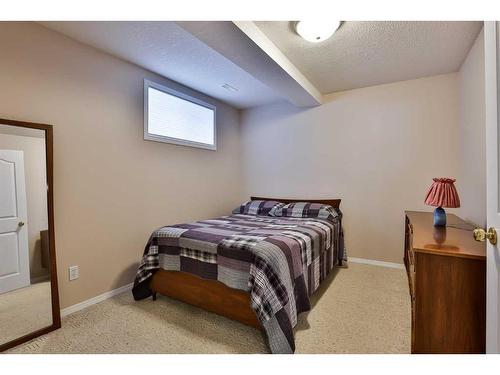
205	55
363	54
169	50
246	45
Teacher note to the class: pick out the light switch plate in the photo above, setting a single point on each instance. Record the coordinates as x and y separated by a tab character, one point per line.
74	273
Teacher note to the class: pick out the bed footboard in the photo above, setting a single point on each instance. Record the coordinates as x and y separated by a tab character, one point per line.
210	295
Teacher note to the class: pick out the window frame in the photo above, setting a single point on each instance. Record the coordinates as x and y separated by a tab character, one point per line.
172	140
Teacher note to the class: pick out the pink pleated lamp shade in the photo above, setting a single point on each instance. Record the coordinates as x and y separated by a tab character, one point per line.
443	193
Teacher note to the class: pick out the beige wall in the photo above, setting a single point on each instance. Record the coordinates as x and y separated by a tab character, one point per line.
472	135
36	193
112	188
377	148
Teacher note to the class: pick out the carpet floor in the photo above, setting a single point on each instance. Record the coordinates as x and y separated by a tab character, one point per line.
359	309
25	310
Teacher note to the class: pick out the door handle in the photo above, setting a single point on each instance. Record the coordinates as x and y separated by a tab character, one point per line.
481	235
20	224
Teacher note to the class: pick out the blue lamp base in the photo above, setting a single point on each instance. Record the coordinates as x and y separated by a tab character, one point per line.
439	217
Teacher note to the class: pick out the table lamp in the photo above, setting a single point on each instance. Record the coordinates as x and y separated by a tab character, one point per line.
442	193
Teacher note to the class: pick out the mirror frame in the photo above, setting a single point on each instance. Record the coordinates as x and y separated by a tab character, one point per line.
56	312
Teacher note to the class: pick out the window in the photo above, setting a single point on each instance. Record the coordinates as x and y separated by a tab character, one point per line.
173	117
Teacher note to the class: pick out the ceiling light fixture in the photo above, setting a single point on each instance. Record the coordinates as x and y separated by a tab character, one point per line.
316	31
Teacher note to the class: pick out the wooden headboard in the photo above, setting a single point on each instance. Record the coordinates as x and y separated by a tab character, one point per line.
332	202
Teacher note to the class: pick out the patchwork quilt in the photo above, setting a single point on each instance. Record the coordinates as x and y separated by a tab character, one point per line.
279	261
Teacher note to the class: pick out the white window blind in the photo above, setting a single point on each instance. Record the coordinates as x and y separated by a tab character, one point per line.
175	117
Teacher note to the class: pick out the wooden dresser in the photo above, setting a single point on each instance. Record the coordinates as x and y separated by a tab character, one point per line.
447	279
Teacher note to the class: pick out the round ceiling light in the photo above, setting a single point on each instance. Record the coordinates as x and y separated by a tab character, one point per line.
316	31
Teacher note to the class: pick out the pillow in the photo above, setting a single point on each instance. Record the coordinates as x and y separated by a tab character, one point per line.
257	207
306	209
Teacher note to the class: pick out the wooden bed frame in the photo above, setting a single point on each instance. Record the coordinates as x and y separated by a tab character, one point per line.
212	295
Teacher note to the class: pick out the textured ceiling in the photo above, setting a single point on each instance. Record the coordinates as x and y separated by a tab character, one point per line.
168	50
363	54
246	45
206	55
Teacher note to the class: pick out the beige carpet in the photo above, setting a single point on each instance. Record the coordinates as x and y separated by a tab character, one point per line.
25	310
360	309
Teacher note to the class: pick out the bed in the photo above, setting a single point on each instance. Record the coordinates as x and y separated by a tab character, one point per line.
257	269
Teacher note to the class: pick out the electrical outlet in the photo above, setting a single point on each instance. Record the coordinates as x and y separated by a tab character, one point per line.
74	273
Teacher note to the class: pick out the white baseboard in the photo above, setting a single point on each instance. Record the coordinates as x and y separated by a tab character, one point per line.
125	288
376	263
97	299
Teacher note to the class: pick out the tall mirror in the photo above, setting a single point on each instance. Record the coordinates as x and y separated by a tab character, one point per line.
29	302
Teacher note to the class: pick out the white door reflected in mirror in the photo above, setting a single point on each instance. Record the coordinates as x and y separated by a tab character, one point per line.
25	286
14	264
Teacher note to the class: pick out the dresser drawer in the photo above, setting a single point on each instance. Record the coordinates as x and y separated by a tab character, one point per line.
413	321
409	257
411	280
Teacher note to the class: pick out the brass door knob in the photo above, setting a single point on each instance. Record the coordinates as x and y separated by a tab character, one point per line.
481	235
21	224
